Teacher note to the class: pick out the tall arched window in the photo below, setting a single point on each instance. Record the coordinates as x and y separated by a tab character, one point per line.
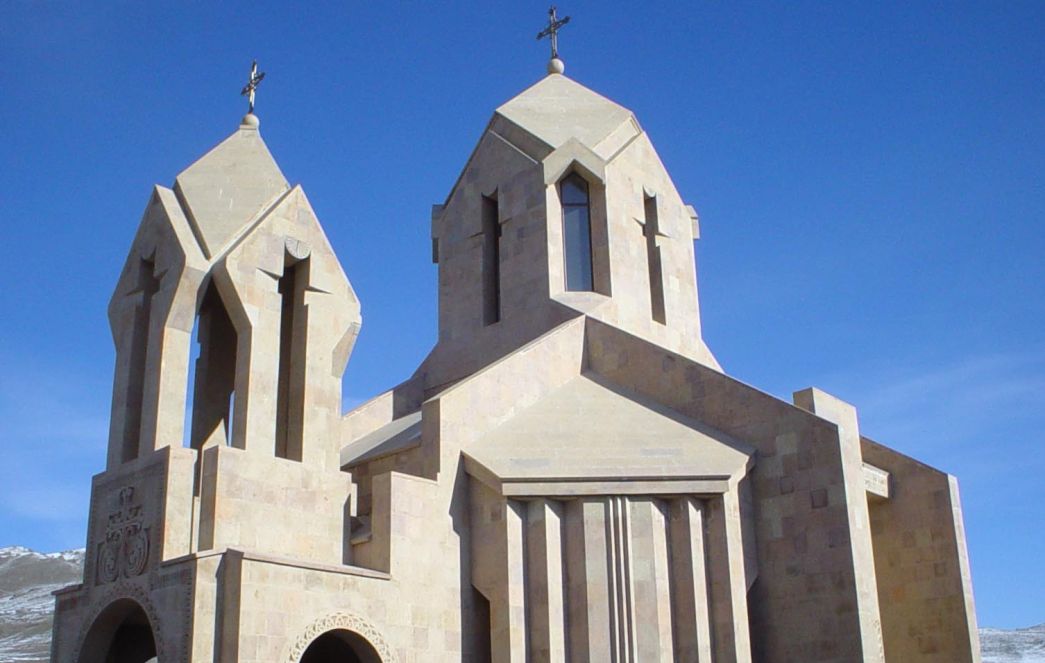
576	232
214	383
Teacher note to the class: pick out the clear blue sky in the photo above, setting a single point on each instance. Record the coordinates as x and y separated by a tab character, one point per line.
869	178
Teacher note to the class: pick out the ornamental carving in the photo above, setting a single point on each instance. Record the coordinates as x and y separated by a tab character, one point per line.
342	621
125	550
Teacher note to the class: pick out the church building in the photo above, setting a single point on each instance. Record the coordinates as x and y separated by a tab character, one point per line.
568	476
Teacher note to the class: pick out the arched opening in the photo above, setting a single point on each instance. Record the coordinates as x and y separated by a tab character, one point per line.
585	239
120	634
576	233
340	646
214	381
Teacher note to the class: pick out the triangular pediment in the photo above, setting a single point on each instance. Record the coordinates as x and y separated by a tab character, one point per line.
590	429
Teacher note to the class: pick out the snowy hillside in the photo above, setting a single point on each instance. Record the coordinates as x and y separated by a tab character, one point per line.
27	579
1025	645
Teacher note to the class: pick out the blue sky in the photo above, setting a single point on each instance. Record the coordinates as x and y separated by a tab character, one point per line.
868	176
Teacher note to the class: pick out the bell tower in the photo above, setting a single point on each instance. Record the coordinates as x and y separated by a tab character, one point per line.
564	209
247	458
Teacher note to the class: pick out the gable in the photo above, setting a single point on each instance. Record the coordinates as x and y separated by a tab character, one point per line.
590	429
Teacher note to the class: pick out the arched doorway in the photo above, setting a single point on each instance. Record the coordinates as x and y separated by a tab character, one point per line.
120	634
340	646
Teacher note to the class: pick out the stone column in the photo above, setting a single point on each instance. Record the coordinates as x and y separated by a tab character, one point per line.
650	581
546	597
691	600
732	641
587	581
508	611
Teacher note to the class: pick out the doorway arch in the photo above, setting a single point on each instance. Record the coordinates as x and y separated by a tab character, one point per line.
340	646
121	633
331	634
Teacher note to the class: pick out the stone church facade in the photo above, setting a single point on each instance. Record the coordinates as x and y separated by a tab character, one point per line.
568	476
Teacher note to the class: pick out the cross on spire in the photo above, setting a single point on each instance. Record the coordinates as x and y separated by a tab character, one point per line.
252	84
554	25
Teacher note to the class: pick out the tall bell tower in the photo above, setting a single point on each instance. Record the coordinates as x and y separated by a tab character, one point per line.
247	458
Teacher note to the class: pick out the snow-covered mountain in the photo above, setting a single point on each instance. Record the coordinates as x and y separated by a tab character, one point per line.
1025	645
27	579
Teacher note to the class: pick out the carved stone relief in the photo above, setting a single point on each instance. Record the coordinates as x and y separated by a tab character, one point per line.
341	621
124	552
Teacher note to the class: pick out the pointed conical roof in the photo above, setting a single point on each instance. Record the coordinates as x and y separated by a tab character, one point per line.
557	109
229	186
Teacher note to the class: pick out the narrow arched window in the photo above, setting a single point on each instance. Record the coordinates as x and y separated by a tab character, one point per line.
214	382
576	232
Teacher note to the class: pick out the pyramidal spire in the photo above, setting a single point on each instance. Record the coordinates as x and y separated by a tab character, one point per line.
231	185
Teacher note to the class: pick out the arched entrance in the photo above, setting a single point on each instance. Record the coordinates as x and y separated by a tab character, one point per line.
120	634
340	646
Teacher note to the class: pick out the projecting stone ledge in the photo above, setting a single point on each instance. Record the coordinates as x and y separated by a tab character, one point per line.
876	482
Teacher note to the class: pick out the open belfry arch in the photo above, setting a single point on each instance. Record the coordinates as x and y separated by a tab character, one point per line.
569	475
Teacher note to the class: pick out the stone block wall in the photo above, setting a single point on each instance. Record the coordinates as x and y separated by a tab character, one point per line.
258	502
921	563
804	604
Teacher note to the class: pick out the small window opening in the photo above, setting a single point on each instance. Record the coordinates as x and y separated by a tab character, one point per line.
576	232
148	285
491	261
651	229
214	382
291	382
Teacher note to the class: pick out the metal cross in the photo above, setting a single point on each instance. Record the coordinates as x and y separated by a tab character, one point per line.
252	84
554	25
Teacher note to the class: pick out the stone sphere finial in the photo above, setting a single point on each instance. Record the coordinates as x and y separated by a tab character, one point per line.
556	66
250	120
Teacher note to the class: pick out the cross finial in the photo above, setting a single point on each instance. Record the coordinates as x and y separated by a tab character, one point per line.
252	84
554	25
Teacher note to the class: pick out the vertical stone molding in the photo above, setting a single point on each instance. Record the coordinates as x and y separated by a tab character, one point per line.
691	604
545	566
